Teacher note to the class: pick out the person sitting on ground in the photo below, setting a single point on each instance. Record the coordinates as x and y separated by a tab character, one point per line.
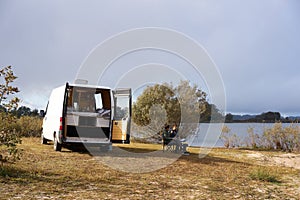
174	130
166	131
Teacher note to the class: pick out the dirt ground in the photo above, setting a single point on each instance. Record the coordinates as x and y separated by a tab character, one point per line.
140	171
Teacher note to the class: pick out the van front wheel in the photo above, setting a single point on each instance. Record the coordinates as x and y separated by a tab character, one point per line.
57	145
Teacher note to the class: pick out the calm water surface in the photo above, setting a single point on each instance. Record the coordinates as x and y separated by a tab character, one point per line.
210	138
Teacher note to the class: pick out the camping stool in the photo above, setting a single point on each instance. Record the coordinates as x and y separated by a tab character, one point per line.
184	148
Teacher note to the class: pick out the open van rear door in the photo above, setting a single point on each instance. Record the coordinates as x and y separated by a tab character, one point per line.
121	116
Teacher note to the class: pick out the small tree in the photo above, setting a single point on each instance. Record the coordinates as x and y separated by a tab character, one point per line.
167	104
9	138
5	87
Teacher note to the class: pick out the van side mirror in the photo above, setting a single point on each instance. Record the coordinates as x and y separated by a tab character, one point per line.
42	113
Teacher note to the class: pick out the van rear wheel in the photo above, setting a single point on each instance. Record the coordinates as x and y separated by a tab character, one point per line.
57	145
43	140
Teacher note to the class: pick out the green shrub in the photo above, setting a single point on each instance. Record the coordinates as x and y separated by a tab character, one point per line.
264	174
9	137
29	126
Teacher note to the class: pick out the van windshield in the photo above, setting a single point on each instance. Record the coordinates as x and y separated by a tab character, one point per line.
80	99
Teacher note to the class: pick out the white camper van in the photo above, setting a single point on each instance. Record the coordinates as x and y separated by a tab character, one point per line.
86	114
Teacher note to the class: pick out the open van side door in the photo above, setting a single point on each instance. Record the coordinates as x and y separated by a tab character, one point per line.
121	116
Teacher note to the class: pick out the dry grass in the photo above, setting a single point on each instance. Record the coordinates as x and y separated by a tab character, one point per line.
222	174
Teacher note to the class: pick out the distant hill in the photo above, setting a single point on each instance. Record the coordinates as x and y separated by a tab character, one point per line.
294	118
266	117
243	117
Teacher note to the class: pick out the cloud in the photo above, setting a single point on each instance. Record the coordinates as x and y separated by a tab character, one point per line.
254	43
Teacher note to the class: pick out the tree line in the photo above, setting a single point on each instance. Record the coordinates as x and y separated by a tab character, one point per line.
21	111
265	117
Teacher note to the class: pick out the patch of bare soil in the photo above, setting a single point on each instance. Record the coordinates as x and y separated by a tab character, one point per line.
280	159
288	160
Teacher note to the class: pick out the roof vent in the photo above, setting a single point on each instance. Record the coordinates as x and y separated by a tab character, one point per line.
81	81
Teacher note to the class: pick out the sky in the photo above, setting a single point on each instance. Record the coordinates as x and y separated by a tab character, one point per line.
255	44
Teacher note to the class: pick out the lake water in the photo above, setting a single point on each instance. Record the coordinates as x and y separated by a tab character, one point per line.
208	136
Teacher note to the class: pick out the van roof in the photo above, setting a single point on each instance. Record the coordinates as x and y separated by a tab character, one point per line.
89	86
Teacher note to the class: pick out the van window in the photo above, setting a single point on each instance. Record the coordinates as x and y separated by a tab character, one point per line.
122	108
98	99
81	99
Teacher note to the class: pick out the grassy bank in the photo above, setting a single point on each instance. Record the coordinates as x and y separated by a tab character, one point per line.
222	174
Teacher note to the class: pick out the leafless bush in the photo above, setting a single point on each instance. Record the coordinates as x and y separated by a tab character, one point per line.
253	139
274	138
282	138
229	139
